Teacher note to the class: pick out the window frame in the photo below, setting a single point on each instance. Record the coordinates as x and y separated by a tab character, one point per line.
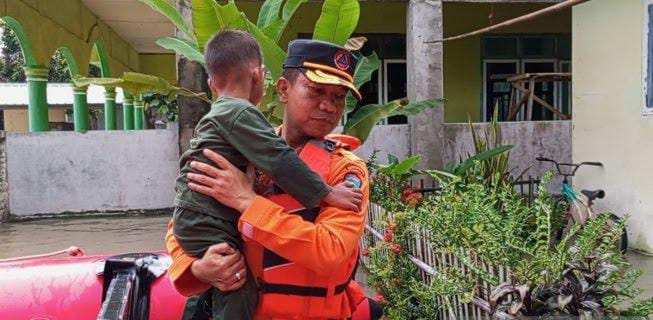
521	115
647	111
516	62
559	87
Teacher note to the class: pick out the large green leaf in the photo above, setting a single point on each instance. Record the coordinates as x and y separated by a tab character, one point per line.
362	122
465	165
269	13
209	17
273	55
402	167
206	21
138	83
274	28
183	48
412	109
363	74
165	8
338	21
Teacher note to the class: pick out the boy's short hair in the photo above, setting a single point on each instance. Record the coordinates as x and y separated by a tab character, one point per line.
230	50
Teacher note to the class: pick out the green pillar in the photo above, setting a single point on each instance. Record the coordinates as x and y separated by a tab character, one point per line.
80	109
139	113
37	86
110	109
128	112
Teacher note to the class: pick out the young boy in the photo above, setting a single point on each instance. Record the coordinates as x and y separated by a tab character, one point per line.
237	130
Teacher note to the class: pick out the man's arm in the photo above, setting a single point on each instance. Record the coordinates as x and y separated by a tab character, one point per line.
192	276
180	269
321	246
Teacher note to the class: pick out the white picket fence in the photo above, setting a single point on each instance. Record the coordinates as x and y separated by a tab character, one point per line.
430	262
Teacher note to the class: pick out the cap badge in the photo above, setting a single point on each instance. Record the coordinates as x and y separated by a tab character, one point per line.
342	60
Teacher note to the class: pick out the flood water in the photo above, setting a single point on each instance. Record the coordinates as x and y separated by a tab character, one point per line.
94	235
120	234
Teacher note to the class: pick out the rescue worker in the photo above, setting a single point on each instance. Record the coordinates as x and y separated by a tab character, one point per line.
303	259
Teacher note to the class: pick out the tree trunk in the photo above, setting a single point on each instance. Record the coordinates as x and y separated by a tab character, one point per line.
190	75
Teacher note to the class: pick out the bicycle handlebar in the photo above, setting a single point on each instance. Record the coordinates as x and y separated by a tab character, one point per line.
574	165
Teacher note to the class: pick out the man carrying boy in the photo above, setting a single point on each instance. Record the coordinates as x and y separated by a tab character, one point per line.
237	130
322	250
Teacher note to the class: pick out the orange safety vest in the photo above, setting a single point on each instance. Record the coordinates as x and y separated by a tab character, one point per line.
291	291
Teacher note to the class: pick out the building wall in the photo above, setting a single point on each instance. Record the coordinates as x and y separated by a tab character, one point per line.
398	146
608	122
60	172
551	139
18	121
161	65
4	186
463	73
52	24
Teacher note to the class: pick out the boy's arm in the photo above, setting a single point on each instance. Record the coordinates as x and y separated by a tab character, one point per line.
253	136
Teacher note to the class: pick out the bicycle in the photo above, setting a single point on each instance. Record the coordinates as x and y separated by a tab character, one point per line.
578	206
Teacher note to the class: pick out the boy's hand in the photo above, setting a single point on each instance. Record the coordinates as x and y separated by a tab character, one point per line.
345	197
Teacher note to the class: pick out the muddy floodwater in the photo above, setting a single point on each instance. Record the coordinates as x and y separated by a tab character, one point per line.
94	235
120	234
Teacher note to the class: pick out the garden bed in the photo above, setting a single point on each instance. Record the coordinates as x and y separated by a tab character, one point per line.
477	248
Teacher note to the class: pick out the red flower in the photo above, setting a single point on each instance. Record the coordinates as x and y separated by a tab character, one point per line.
379	298
396	248
414	199
388	236
365	252
405	193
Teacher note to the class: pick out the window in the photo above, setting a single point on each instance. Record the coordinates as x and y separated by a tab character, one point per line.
496	88
647	108
507	55
2	120
395	85
564	89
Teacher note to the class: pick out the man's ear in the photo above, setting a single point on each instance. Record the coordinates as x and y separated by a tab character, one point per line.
283	85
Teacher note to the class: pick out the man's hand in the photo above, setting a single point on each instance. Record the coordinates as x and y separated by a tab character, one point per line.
224	183
222	267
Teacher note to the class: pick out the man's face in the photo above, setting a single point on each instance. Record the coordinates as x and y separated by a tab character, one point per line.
311	108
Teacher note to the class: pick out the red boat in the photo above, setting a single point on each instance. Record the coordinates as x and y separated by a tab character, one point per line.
128	286
131	286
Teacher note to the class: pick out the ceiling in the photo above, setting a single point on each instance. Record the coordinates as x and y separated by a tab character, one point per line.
134	21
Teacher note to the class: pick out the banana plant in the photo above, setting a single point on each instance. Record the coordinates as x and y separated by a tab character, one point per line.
137	84
336	24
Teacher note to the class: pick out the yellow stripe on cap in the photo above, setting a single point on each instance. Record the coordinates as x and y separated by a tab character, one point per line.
330	69
321	77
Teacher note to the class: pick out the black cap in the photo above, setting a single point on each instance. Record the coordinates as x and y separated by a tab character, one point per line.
324	63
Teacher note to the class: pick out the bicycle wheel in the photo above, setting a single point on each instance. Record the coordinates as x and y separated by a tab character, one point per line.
623	240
